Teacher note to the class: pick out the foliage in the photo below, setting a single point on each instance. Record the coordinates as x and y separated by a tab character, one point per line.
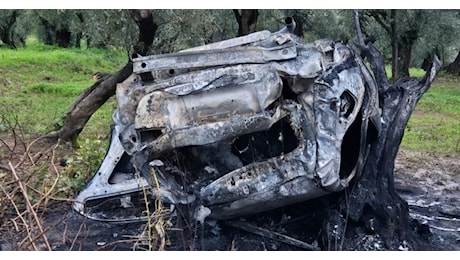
440	37
336	25
181	29
51	24
435	32
81	166
109	28
84	28
316	24
14	27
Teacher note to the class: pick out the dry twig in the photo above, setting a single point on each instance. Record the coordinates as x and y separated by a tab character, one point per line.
29	205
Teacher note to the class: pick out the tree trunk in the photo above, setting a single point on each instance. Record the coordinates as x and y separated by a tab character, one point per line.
454	67
79	35
63	37
401	42
7	30
48	31
394	46
299	27
94	97
371	205
373	202
405	44
247	20
147	29
404	53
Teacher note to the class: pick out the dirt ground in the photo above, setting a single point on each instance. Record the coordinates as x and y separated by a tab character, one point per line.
429	183
431	186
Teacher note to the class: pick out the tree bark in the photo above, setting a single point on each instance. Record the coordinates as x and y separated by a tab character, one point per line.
7	35
405	44
394	46
94	97
247	20
404	53
63	37
147	29
371	205
299	27
48	31
374	196
454	67
401	43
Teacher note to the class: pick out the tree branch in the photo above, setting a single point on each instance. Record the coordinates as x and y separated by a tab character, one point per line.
374	57
359	33
378	17
87	104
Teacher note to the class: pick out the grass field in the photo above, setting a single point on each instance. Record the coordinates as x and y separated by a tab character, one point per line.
39	83
435	124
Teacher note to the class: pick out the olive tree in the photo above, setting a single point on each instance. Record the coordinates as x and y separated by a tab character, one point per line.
14	27
427	31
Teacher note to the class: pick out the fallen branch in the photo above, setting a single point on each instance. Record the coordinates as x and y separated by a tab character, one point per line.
86	105
271	234
29	206
26	153
18	212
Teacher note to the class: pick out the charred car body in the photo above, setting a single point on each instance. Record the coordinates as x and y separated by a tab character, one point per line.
239	126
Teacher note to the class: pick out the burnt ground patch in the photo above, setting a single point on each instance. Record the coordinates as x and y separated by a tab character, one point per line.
430	186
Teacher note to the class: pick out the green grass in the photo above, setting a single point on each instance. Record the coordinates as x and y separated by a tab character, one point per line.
435	124
39	83
413	72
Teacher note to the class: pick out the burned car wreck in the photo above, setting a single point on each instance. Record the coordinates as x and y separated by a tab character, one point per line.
237	127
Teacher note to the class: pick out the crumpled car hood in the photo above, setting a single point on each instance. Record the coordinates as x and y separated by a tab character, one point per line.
239	126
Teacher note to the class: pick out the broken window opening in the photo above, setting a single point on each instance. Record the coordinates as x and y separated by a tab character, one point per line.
148	136
347	104
261	146
350	148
